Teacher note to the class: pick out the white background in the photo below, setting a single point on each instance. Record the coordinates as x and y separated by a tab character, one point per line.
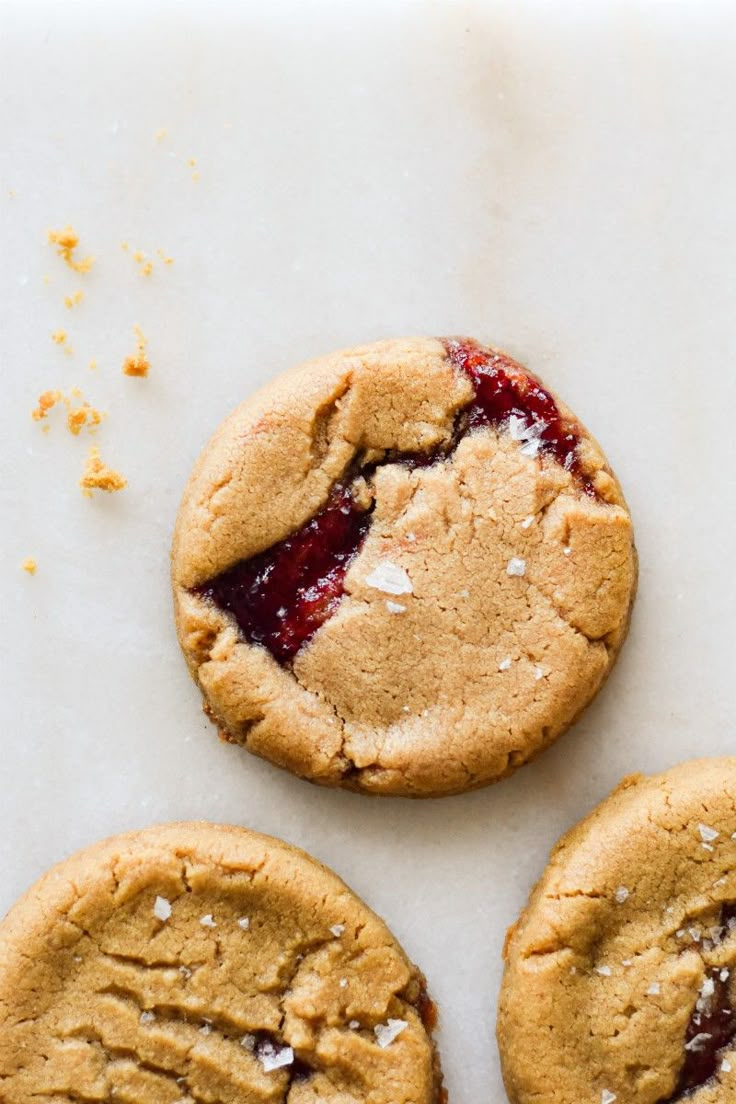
555	178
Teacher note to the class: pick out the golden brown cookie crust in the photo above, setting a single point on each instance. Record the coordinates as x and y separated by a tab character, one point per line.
481	669
625	944
176	964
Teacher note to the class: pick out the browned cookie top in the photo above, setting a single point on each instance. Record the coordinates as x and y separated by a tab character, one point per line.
620	981
403	568
200	964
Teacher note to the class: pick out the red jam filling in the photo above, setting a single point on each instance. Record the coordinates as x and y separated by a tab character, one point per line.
282	596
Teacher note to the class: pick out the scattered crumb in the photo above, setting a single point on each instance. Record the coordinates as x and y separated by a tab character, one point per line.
137	365
73	300
61	338
81	417
160	134
98	477
66	241
166	260
46	279
30	566
92	365
77	417
46	401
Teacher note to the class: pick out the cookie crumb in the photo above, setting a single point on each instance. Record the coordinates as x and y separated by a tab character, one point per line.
60	337
389	578
395	607
621	894
84	415
66	241
97	476
244	923
73	300
137	364
29	566
162	908
208	921
386	1033
273	1057
516	566
337	930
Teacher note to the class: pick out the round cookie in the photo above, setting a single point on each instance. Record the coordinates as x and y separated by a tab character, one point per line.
403	568
204	964
620	981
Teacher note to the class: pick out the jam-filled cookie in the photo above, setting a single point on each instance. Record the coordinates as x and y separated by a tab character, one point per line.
195	963
620	980
403	568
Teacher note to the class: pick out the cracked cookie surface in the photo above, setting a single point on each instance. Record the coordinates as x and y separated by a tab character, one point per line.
458	614
620	980
203	964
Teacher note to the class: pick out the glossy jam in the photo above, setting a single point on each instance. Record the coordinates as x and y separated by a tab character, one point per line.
503	389
282	596
718	1021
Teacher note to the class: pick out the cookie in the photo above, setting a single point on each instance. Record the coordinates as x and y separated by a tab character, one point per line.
403	568
204	964
620	980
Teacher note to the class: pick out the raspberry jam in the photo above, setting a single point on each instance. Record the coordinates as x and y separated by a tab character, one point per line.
712	1026
506	392
282	596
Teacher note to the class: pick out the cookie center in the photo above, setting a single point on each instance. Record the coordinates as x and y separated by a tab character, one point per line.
282	596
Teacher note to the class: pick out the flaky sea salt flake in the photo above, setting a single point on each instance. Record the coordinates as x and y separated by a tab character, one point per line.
604	971
505	664
607	1097
654	989
389	578
386	1033
726	1066
698	1041
147	1017
395	607
527	521
337	930
707	834
516	566
162	909
621	894
207	921
273	1057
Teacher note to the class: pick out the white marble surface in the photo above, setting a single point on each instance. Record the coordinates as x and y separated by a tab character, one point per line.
558	178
